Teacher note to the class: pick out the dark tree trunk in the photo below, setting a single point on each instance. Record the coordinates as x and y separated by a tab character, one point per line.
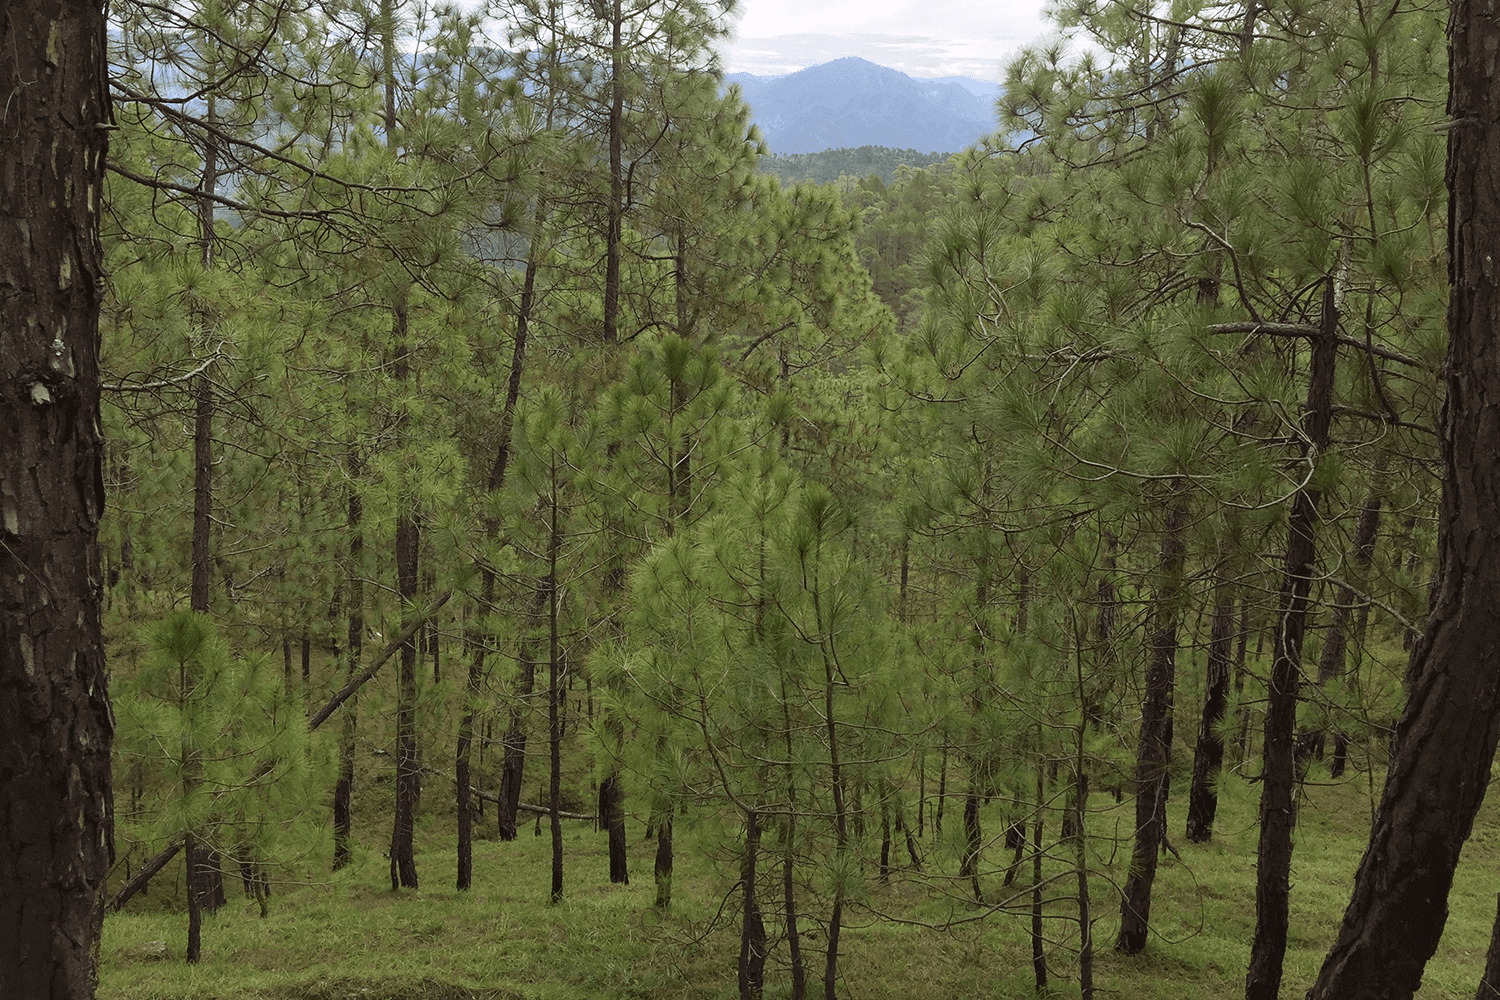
1448	730
752	966
461	767
903	826
885	842
662	868
1203	797
203	465
789	846
1038	941
1156	734
137	882
554	696
54	702
789	904
1489	981
973	840
194	900
942	793
408	768
1015	840
343	790
1279	773
615	213
612	816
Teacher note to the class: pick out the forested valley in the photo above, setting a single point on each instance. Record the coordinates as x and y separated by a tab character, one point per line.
543	554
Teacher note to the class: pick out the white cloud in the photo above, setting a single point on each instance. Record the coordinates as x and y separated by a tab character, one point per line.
931	38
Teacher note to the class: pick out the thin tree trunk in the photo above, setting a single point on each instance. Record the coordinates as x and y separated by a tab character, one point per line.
343	790
137	882
1279	773
1151	775
554	695
885	842
662	867
408	770
1203	797
1038	941
789	848
615	213
1489	981
942	793
205	877
973	839
1079	833
752	963
194	901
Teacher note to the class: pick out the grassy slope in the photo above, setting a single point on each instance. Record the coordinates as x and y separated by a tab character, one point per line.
351	937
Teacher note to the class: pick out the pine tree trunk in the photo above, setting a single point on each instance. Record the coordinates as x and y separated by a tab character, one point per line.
194	864
343	791
554	697
752	963
612	816
1448	730
461	767
1279	773
408	770
54	701
1203	797
1038	941
1489	981
615	212
1155	739
973	841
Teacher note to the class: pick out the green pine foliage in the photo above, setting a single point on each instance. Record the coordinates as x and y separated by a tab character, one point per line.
845	492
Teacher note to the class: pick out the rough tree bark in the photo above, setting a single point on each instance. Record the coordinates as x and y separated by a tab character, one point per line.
1203	796
1156	728
55	724
343	790
1279	773
1448	730
408	768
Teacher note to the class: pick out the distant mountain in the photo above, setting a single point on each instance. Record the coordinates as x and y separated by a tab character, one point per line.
985	90
852	102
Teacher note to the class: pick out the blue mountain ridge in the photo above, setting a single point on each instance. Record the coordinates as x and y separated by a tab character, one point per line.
853	102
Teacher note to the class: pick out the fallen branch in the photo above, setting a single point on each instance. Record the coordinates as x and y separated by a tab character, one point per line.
139	880
528	807
349	689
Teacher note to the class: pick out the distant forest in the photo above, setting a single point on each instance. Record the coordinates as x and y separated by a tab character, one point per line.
821	168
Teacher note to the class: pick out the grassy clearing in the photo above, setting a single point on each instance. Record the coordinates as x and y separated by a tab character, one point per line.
349	936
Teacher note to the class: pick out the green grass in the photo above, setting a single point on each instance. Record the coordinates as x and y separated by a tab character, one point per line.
349	936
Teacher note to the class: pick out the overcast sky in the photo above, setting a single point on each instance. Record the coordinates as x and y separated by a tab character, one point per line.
918	37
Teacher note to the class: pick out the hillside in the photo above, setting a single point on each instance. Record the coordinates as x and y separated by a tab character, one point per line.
827	165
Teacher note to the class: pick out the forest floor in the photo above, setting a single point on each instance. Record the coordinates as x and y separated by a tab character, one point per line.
348	936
